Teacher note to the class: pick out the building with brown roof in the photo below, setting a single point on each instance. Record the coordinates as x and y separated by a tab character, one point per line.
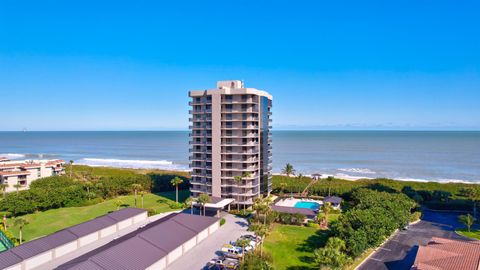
448	254
24	172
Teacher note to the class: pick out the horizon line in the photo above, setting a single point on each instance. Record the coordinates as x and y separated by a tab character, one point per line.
186	130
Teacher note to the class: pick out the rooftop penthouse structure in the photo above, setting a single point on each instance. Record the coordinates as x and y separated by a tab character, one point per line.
230	142
21	173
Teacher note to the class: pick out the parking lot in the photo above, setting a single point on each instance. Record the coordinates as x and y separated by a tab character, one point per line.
198	257
399	252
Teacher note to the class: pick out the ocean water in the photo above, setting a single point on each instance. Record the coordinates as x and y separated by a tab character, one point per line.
404	155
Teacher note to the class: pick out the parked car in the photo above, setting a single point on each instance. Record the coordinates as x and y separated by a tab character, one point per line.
223	263
231	251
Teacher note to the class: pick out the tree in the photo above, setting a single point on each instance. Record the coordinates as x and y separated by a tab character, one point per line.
17	186
326	209
175	182
288	170
474	195
467	220
190	201
331	256
3	187
242	242
20	223
71	168
260	230
136	188
238	180
118	203
329	181
142	194
282	185
88	185
203	199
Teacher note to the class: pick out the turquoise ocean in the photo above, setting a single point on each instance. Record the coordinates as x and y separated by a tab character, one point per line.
405	155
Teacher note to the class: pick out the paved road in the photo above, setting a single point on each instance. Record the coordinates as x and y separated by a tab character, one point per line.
399	252
197	257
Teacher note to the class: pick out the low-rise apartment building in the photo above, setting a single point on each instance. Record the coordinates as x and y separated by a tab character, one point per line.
24	172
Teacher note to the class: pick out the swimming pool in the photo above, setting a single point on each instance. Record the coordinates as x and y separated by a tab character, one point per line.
308	205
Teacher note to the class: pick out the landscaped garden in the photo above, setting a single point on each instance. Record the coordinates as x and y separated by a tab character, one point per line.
83	193
471	234
50	221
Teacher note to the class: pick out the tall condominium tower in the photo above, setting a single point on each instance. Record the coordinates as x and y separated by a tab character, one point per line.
230	142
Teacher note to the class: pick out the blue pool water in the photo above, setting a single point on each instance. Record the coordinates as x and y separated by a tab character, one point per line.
308	205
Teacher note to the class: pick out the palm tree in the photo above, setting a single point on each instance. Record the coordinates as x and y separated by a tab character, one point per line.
242	242
261	231
3	187
20	223
288	170
136	188
175	182
332	256
88	185
329	180
245	175
326	209
283	185
262	207
467	220
238	180
71	168
474	195
17	186
118	203
142	193
203	199
190	201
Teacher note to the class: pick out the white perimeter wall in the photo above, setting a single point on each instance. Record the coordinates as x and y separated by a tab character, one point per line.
87	239
38	260
213	227
15	267
108	231
189	244
202	235
159	265
67	248
175	254
140	218
125	223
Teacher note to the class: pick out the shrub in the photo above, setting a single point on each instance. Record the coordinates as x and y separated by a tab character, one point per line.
222	221
313	224
374	217
292	219
151	212
415	216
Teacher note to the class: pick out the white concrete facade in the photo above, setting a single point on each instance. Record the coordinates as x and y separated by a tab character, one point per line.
231	139
20	174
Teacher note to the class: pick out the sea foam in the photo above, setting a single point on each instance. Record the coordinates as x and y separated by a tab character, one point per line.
12	156
131	163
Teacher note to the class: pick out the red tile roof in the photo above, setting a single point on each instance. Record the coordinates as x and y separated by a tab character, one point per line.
3	173
448	254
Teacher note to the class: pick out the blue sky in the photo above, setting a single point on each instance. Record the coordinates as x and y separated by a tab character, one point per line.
128	65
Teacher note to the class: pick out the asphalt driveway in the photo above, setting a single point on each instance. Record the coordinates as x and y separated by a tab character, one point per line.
399	252
197	257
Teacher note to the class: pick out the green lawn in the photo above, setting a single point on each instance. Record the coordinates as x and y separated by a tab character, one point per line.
44	223
292	246
472	234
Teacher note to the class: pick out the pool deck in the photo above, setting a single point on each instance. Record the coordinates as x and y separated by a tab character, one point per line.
290	202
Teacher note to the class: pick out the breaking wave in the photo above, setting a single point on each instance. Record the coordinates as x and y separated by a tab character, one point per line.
357	170
134	164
